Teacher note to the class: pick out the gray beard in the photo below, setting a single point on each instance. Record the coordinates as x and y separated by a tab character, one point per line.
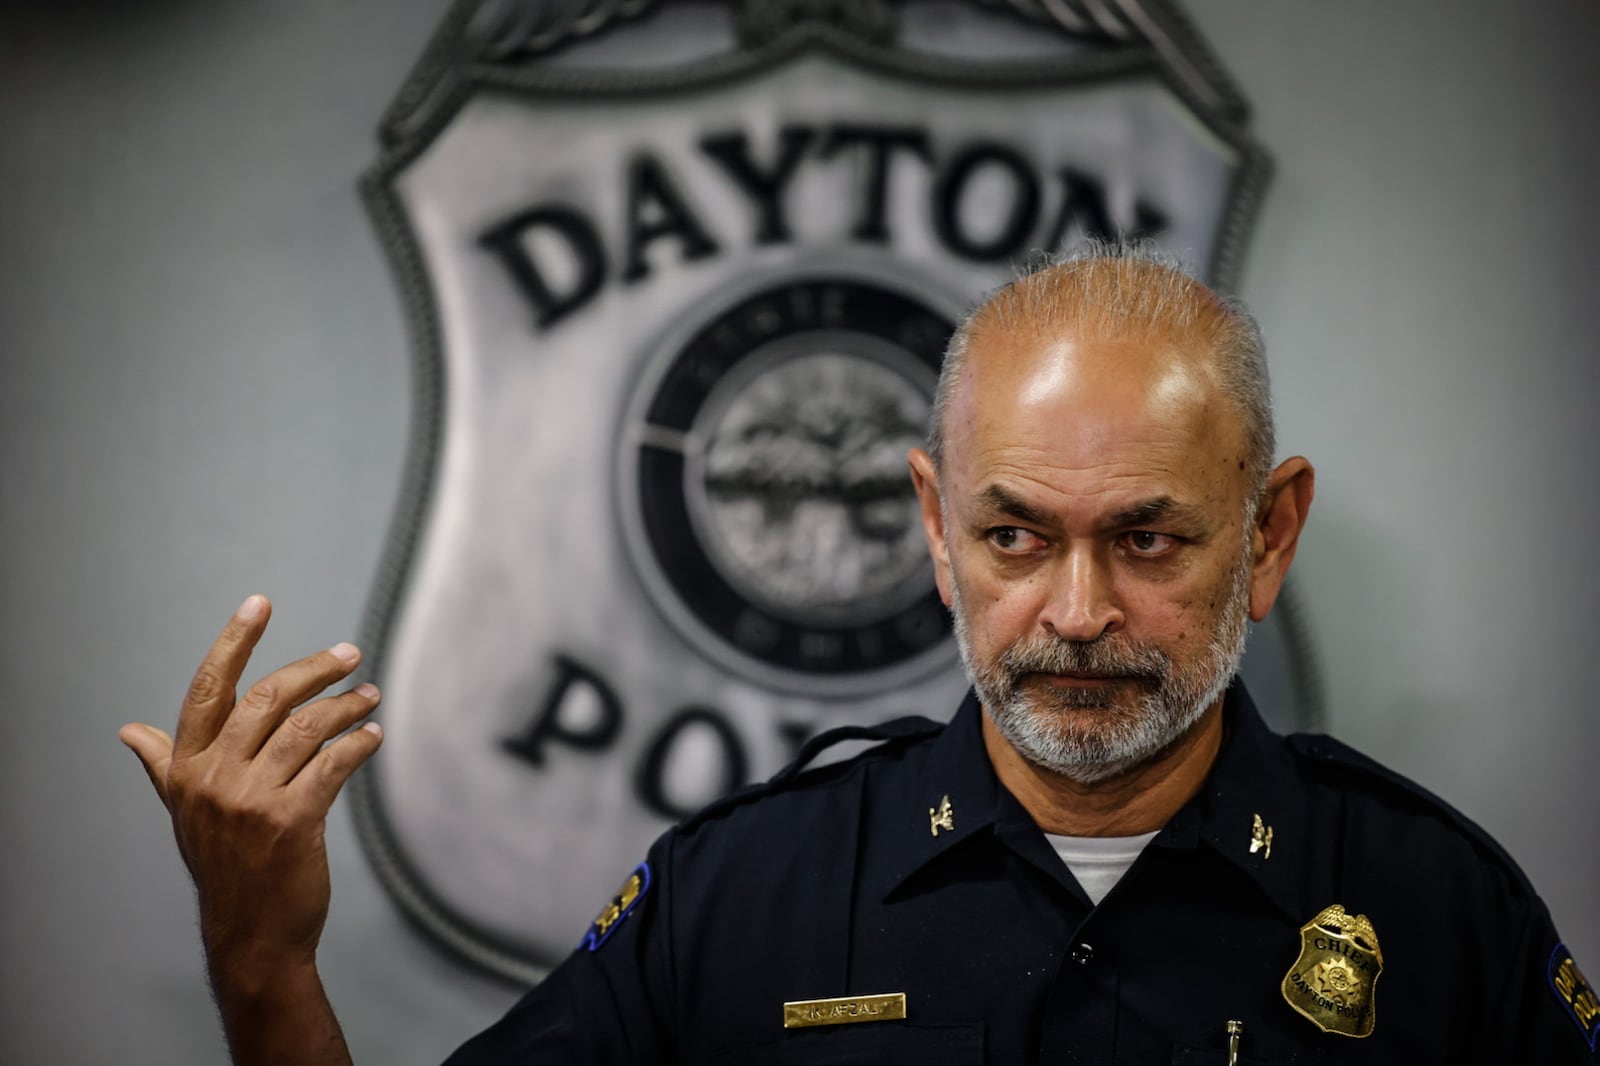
1086	734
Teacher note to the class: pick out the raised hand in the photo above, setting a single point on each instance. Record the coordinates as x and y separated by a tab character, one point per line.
248	783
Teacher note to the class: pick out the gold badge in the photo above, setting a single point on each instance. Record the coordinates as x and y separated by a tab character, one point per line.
1261	837
943	818
1332	981
846	1010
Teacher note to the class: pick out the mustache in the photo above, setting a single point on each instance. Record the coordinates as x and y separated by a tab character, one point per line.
1103	657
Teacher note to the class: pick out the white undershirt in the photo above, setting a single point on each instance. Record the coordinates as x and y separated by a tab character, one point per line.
1099	862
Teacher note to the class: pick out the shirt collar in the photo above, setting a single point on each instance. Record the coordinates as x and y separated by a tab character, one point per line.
956	781
1253	779
1253	775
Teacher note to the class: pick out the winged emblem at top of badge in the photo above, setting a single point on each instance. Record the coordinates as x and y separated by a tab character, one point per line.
1332	981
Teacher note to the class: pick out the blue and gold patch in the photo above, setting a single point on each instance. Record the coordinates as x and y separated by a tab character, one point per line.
621	905
1575	993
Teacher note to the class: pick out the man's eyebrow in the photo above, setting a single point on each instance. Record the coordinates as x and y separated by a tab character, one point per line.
1161	509
1151	512
996	498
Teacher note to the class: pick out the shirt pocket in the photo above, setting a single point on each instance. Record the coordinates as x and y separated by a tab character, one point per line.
868	1044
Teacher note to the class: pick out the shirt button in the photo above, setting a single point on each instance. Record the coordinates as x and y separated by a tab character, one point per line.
1082	954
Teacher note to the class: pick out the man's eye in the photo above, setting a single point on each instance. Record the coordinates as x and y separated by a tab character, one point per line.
1142	542
1013	539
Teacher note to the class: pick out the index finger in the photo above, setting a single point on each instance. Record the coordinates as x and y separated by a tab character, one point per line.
211	692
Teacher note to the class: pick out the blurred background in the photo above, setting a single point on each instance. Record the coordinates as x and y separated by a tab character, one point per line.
205	392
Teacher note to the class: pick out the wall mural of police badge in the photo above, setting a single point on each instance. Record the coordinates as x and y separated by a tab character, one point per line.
679	276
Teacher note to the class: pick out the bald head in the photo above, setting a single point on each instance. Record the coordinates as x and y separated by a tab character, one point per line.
1176	335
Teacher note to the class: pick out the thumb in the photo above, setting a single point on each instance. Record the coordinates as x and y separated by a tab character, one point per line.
154	748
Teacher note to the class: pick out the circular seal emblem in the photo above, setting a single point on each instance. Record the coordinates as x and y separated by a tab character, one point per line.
765	488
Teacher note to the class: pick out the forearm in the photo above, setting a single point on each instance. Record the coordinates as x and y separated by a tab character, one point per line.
281	1015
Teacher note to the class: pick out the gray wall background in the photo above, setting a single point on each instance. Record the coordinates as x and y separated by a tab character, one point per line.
203	393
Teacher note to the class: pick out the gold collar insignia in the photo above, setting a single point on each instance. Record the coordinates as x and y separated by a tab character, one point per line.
1261	837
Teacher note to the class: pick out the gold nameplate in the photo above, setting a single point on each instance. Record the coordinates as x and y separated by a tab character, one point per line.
1332	981
846	1010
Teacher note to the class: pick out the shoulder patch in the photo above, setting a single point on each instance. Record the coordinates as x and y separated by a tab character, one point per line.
1575	994
622	904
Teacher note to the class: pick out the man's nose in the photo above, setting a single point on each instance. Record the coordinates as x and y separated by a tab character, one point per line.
1082	603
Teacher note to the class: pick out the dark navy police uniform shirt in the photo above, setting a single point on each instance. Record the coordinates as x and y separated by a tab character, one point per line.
835	882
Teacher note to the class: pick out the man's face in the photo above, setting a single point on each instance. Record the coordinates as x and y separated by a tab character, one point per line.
1094	544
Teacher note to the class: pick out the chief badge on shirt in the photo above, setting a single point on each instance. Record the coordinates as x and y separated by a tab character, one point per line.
1332	981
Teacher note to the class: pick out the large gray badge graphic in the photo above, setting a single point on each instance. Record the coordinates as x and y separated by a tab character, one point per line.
679	276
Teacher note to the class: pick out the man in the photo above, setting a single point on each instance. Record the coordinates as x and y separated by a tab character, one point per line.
1104	858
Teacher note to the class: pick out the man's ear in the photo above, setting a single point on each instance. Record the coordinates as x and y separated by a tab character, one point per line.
1280	517
925	478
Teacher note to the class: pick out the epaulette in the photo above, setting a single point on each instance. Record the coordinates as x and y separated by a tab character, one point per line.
894	733
1326	753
